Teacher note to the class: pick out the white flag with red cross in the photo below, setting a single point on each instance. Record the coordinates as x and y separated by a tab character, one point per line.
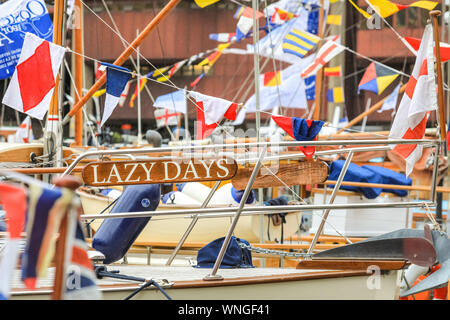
33	82
419	100
166	117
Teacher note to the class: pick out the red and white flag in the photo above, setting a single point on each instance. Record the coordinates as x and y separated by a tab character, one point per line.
24	133
214	108
33	82
419	100
14	202
328	51
124	94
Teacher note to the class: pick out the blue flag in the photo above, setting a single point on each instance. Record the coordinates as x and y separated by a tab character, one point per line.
116	80
16	18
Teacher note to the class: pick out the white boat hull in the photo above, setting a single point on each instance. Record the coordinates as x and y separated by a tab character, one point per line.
165	228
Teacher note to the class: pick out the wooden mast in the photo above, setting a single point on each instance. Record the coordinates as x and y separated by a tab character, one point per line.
122	58
78	47
52	132
319	75
434	15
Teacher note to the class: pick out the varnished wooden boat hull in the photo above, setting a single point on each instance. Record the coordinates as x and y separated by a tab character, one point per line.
246	284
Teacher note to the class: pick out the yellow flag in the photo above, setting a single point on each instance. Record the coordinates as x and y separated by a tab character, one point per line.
364	13
205	3
99	93
334	19
386	8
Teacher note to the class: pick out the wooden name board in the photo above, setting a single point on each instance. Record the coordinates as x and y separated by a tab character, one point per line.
297	173
107	173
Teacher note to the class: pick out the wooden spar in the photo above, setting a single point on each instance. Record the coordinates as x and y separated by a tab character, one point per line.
371	110
57	39
78	47
388	186
319	76
434	15
122	58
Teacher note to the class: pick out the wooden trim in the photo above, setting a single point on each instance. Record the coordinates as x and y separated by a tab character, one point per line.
353	264
267	279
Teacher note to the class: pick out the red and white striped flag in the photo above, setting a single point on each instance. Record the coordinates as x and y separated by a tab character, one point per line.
419	100
328	51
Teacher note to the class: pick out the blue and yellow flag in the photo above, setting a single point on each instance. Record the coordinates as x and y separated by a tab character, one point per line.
377	78
335	95
299	42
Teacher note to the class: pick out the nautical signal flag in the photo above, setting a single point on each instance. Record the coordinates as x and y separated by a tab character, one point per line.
116	80
332	71
205	3
391	102
175	101
33	82
215	109
194	83
387	8
334	19
24	133
202	130
213	57
377	78
310	88
299	42
301	130
245	23
335	95
138	88
281	16
14	201
328	51
445	47
165	73
419	100
223	37
124	94
272	78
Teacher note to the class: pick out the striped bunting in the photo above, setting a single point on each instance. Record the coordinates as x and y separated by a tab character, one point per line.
299	42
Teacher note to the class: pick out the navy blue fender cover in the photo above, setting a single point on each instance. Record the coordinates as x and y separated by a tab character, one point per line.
115	236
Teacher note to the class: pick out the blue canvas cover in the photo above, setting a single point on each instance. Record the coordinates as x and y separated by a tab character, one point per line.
237	195
115	236
356	173
234	257
391	177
